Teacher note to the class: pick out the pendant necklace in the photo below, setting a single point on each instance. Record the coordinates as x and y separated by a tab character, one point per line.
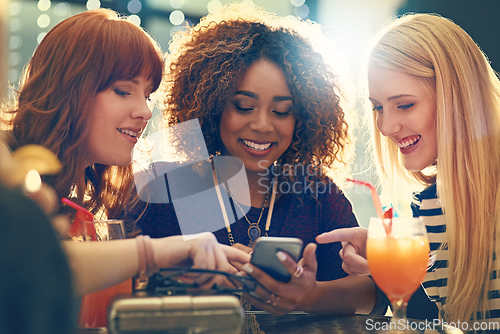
253	229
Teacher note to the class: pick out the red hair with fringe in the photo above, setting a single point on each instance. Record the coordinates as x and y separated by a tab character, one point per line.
79	58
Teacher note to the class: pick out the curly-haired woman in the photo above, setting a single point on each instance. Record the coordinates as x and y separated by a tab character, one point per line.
262	93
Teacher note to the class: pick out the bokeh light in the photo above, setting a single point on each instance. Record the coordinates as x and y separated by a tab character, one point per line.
15	58
15	8
15	42
43	21
13	75
134	19
175	29
176	17
297	3
93	4
302	11
44	5
214	6
15	24
176	3
62	9
134	6
32	182
40	37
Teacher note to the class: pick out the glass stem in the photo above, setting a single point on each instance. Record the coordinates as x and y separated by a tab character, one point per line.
398	310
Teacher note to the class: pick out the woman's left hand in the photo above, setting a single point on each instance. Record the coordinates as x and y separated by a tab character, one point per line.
281	298
244	248
200	251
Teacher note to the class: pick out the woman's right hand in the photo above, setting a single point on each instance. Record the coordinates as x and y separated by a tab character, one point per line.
353	252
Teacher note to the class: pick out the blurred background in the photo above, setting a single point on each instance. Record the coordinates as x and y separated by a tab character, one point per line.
351	23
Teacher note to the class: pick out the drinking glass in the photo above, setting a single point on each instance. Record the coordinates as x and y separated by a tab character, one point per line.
398	261
93	308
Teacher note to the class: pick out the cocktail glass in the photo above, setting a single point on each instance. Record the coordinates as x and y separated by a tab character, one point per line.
93	308
398	262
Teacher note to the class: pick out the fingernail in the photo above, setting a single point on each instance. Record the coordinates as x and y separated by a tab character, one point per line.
281	256
248	268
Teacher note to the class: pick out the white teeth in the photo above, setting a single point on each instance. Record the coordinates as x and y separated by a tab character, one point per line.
408	142
255	146
128	132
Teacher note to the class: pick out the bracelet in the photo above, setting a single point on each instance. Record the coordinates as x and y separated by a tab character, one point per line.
147	266
150	256
142	279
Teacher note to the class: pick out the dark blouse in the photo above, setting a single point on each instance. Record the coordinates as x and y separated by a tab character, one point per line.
302	216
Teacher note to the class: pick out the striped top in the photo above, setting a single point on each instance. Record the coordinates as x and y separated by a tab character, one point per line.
436	279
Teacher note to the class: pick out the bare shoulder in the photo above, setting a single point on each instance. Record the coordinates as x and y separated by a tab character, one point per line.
4	151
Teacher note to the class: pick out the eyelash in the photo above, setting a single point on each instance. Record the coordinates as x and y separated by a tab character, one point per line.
241	109
282	114
120	92
246	110
406	106
402	107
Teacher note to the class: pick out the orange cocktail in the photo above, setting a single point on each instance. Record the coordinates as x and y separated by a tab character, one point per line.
398	265
398	259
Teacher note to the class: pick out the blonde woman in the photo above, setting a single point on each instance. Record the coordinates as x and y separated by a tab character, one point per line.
436	127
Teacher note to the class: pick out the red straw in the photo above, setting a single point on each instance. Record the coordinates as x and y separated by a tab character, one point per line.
82	214
378	205
375	198
388	226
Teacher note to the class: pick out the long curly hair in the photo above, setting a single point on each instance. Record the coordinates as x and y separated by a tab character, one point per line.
79	58
207	61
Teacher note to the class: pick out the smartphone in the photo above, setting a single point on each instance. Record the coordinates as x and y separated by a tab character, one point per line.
264	255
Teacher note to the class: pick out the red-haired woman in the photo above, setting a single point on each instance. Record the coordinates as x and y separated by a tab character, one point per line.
84	96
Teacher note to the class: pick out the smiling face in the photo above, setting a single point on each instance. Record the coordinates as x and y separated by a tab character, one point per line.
257	124
405	111
119	116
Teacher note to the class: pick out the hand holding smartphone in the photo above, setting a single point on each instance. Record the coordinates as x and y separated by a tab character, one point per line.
264	255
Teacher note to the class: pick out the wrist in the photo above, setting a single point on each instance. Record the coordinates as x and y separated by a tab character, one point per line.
311	297
146	261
